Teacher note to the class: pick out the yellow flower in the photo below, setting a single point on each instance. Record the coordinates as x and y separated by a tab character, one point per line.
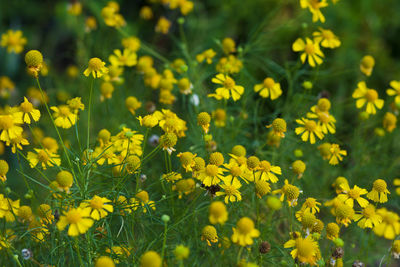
99	207
132	43
394	91
63	117
228	45
395	250
163	25
13	40
309	130
367	96
209	233
368	218
389	228
231	190
96	67
311	51
187	160
326	38
325	120
278	127
229	89
29	112
8	208
64	180
143	196
132	104
75	104
336	154
211	175
3	170
78	219
219	116
349	195
367	65
126	58
207	55
269	88
310	205
148	121
344	214
379	191
6	86
218	213
230	64
104	261
43	157
267	172
203	119
306	250
315	8
184	186
244	232
298	168
10	126
290	191
111	16
181	252
332	231
338	182
389	121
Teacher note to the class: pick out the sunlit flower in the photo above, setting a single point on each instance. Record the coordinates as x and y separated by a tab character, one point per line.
29	112
309	130
96	67
231	190
305	250
218	213
379	191
310	50
367	96
348	195
269	88
64	117
125	58
389	228
43	157
315	8
229	88
244	232
209	233
13	40
368	218
78	219
326	38
99	207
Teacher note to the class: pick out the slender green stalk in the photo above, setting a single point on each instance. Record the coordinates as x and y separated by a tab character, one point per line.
164	240
89	111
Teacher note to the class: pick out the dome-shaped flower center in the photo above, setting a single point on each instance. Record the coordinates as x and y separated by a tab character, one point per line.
229	83
211	170
6	122
265	166
279	125
230	190
64	110
308	220
380	185
96	203
304	247
26	107
371	95
344	211
368	62
13	39
323	117
292	192
311	126
368	211
95	64
43	156
217	210
245	225
209	232
236	171
309	49
353	193
269	83
310	202
73	216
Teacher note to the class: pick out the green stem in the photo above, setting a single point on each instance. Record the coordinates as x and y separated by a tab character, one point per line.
164	240
89	109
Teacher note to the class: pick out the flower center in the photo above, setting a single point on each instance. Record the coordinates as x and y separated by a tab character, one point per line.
230	190
323	117
235	171
309	49
310	126
95	64
73	216
245	225
26	107
354	194
327	35
212	170
42	156
379	185
304	247
371	95
64	110
96	203
269	83
229	83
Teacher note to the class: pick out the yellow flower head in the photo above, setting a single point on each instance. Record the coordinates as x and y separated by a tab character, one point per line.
29	112
229	88
344	214
268	89
231	190
332	231
368	218
310	49
64	117
203	119
326	38
125	58
379	191
218	213
187	160
150	259
209	233
367	65
314	6
389	228
348	195
104	261
78	219
13	40
163	25
278	127
96	67
389	122
244	232
305	250
99	207
308	130
367	96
